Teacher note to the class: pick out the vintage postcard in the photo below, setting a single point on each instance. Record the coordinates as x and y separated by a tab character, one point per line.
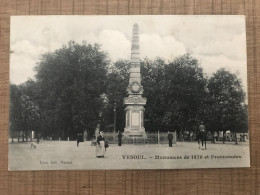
128	92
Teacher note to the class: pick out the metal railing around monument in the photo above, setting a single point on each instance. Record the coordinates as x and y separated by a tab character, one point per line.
151	138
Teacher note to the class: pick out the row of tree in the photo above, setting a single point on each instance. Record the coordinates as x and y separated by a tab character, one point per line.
77	87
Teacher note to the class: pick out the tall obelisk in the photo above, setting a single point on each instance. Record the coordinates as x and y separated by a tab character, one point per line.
134	103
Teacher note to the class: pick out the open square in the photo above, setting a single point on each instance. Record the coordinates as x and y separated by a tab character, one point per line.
60	155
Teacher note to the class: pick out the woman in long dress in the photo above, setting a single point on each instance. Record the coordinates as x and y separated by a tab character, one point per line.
100	147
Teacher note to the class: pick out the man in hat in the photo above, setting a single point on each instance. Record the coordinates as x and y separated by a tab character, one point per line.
202	135
119	138
170	138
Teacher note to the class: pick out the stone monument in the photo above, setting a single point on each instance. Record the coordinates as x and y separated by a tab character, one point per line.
134	103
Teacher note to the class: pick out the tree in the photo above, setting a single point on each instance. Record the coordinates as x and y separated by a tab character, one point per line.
153	75
15	118
228	108
186	85
71	82
30	115
175	93
118	79
24	113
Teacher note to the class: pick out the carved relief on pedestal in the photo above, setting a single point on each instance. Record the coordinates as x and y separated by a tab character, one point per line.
135	100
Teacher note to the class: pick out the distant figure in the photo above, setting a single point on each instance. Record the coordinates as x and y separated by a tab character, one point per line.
85	137
33	145
119	138
38	138
78	139
191	136
215	136
224	136
100	147
170	138
202	135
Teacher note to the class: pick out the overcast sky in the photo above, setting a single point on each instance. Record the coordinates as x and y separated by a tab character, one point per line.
216	41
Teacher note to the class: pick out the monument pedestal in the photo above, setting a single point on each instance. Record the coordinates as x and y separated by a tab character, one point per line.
134	117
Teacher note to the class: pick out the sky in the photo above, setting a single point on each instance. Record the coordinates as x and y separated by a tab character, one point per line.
216	41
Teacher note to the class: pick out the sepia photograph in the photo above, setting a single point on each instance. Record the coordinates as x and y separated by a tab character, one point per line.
128	92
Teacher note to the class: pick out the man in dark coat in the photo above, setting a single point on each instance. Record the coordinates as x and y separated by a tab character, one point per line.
38	138
119	138
78	139
170	138
202	135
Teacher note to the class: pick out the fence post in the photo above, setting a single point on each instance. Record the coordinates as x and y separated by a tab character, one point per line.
175	137
158	137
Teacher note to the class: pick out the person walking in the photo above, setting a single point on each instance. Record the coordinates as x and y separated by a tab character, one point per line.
100	146
119	138
170	138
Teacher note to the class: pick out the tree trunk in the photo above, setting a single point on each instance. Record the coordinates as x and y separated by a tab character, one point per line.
12	136
18	136
181	135
235	136
224	136
26	134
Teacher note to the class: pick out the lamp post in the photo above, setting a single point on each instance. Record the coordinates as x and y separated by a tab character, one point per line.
114	118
